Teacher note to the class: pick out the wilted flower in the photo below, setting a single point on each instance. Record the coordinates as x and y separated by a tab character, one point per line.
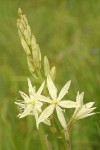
84	110
56	102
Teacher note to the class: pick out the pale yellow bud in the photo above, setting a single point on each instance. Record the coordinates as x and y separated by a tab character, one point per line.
36	55
39	53
53	73
25	47
20	34
29	30
46	66
27	37
25	21
33	41
19	12
30	64
21	27
18	23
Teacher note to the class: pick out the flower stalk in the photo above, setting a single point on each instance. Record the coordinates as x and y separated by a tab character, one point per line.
67	139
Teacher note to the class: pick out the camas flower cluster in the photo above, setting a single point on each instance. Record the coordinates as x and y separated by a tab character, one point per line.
32	104
42	105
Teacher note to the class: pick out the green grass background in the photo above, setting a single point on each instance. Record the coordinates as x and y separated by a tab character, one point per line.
68	32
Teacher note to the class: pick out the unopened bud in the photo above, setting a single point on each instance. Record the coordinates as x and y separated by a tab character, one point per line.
21	27
20	34
53	73
19	12
25	20
18	23
35	56
29	30
33	41
27	37
30	64
46	66
25	47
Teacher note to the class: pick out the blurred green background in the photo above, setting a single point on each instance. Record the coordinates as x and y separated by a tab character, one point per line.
68	32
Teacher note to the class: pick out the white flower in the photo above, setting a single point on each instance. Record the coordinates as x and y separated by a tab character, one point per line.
84	110
30	105
56	102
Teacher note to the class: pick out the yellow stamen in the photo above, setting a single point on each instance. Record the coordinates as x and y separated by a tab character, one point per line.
55	101
31	102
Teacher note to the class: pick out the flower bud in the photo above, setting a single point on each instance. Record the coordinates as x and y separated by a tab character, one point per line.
46	66
35	53
27	37
19	12
30	64
53	73
25	47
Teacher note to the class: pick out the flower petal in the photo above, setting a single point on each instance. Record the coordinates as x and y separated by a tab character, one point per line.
41	98
31	89
61	116
86	115
41	88
64	90
79	99
89	105
46	113
47	122
36	117
25	96
85	110
26	111
68	104
51	88
38	105
21	105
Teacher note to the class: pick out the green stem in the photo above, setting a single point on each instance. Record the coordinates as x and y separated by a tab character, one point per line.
67	139
49	147
70	124
66	133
